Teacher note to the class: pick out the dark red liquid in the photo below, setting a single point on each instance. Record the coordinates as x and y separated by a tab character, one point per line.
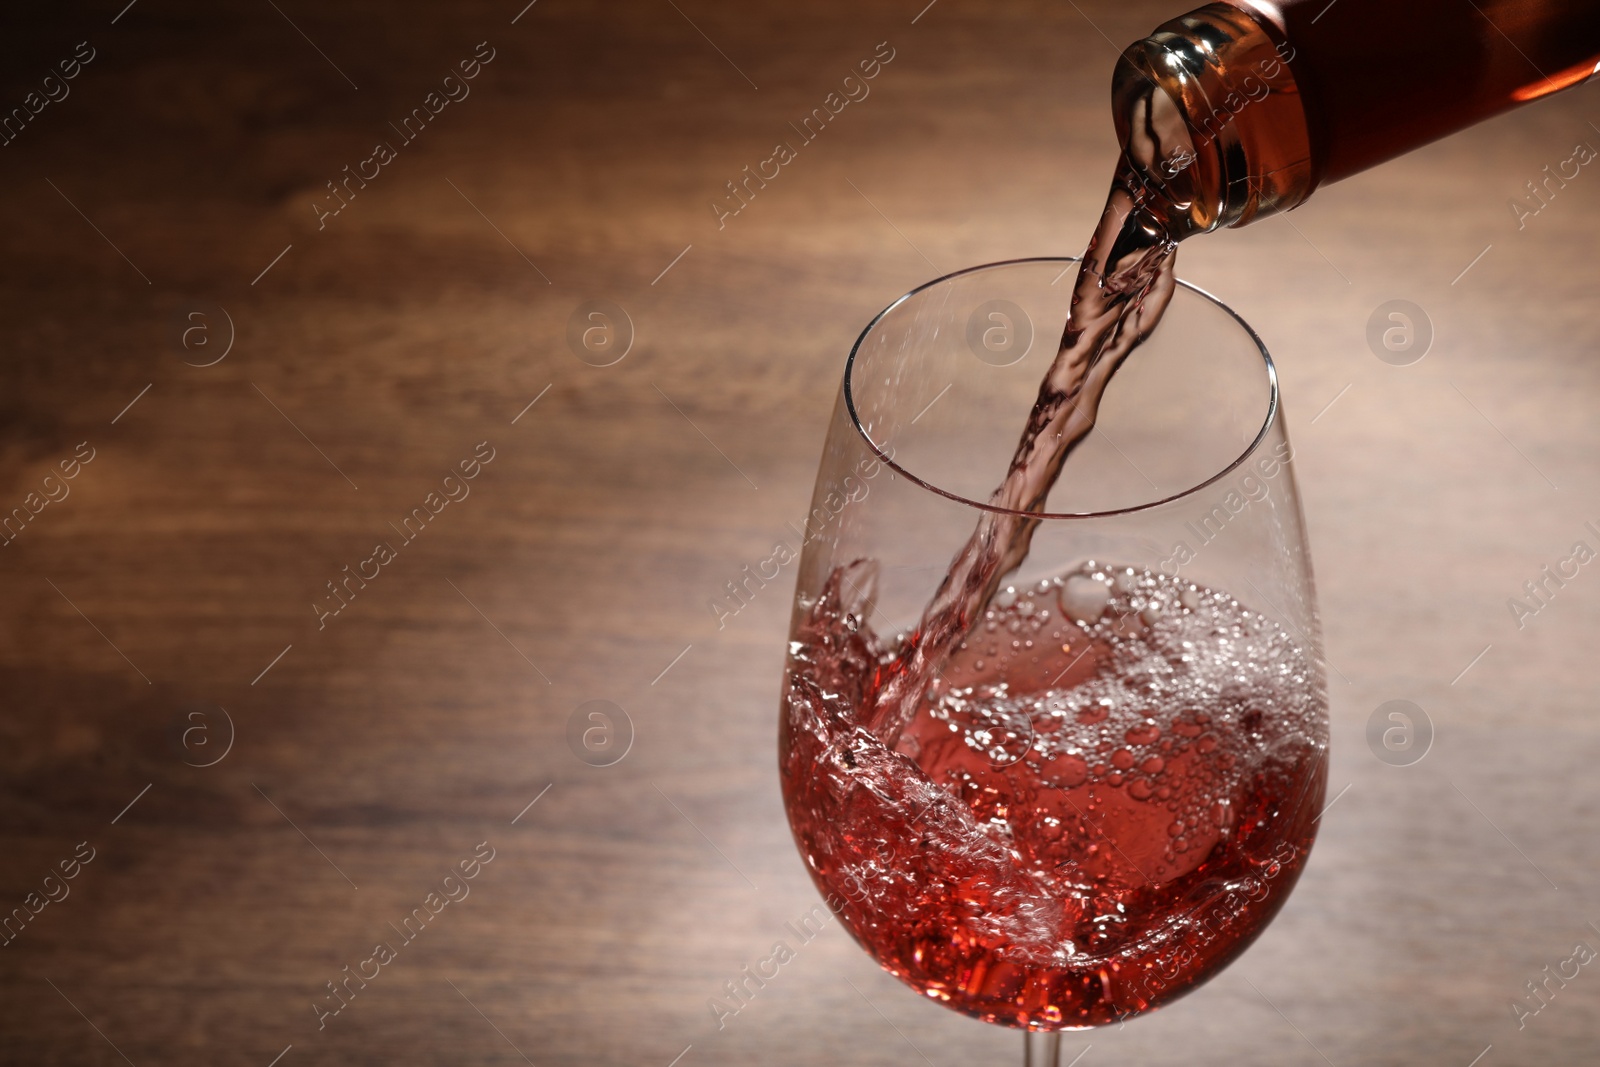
1084	819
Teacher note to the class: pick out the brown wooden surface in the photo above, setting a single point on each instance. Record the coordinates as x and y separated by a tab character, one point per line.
411	727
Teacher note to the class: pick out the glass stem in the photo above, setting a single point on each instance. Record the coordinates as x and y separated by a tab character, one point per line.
1041	1049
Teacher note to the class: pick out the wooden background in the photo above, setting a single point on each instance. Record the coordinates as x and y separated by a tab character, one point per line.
376	352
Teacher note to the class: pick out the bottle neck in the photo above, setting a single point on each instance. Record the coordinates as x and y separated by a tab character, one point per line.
1211	121
1240	109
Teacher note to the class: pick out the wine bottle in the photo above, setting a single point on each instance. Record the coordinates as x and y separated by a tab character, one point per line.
1243	108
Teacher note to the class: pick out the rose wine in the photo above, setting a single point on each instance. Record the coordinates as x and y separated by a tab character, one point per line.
1123	852
1104	794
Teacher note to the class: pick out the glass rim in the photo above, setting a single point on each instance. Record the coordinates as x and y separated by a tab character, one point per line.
1272	416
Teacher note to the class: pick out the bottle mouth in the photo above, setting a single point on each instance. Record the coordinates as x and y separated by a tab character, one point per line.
1211	120
885	451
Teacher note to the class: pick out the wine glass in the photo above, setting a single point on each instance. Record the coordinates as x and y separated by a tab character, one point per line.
1107	787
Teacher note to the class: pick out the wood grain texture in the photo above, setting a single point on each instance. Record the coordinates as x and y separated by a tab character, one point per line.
383	747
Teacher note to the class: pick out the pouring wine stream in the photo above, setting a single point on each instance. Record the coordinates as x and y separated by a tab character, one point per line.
1124	283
